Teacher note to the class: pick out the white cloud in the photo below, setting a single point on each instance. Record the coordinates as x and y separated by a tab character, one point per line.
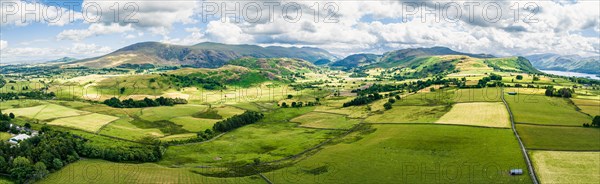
148	13
28	54
93	30
3	44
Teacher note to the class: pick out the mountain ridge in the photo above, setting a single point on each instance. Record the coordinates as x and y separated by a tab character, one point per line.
201	55
567	63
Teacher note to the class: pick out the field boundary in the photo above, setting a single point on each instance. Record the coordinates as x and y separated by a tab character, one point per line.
542	149
439	124
525	154
534	124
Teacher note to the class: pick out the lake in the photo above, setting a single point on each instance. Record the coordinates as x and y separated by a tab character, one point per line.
571	74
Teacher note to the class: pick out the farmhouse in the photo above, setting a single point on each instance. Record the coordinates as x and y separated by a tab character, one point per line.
18	138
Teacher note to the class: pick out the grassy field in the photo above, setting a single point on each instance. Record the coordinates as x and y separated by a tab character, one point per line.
490	114
440	97
409	114
122	128
98	171
46	112
591	107
325	120
179	137
478	95
194	124
4	136
567	167
266	141
545	110
89	122
169	112
5	180
559	138
413	154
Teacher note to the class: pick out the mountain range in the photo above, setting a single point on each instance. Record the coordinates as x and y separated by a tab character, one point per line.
568	63
215	55
202	55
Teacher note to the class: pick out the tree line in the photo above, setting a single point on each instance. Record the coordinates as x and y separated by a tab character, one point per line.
146	102
363	99
248	117
30	95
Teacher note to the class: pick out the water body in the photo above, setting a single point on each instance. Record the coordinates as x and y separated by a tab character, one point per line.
571	74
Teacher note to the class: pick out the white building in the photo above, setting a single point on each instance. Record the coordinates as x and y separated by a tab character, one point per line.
18	138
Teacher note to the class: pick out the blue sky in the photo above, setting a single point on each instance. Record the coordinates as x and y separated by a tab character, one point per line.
343	28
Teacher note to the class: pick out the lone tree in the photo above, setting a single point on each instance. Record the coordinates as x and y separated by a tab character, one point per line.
519	77
596	121
387	106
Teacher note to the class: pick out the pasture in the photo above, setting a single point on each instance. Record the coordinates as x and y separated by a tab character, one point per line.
122	128
194	124
489	114
590	107
566	167
4	136
409	114
266	141
89	122
537	109
100	172
559	138
325	120
46	112
477	95
412	154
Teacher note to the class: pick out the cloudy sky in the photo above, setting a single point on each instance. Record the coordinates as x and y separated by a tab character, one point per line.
40	30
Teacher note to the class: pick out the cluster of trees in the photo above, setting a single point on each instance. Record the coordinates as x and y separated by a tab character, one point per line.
388	105
237	121
595	122
30	95
198	81
363	99
146	102
299	104
51	149
562	92
37	156
493	77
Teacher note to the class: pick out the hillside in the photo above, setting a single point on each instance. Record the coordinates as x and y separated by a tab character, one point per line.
356	60
570	63
511	64
399	58
203	55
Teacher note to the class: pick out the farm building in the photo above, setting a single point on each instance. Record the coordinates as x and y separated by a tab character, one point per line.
512	93
18	138
516	171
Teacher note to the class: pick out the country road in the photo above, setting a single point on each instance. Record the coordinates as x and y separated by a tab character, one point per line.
512	123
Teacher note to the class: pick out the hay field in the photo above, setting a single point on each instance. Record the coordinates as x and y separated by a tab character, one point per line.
489	114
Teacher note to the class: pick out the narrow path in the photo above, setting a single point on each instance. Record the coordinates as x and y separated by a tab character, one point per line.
527	160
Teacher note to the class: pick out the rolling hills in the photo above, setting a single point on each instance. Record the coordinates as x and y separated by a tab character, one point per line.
203	55
399	57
